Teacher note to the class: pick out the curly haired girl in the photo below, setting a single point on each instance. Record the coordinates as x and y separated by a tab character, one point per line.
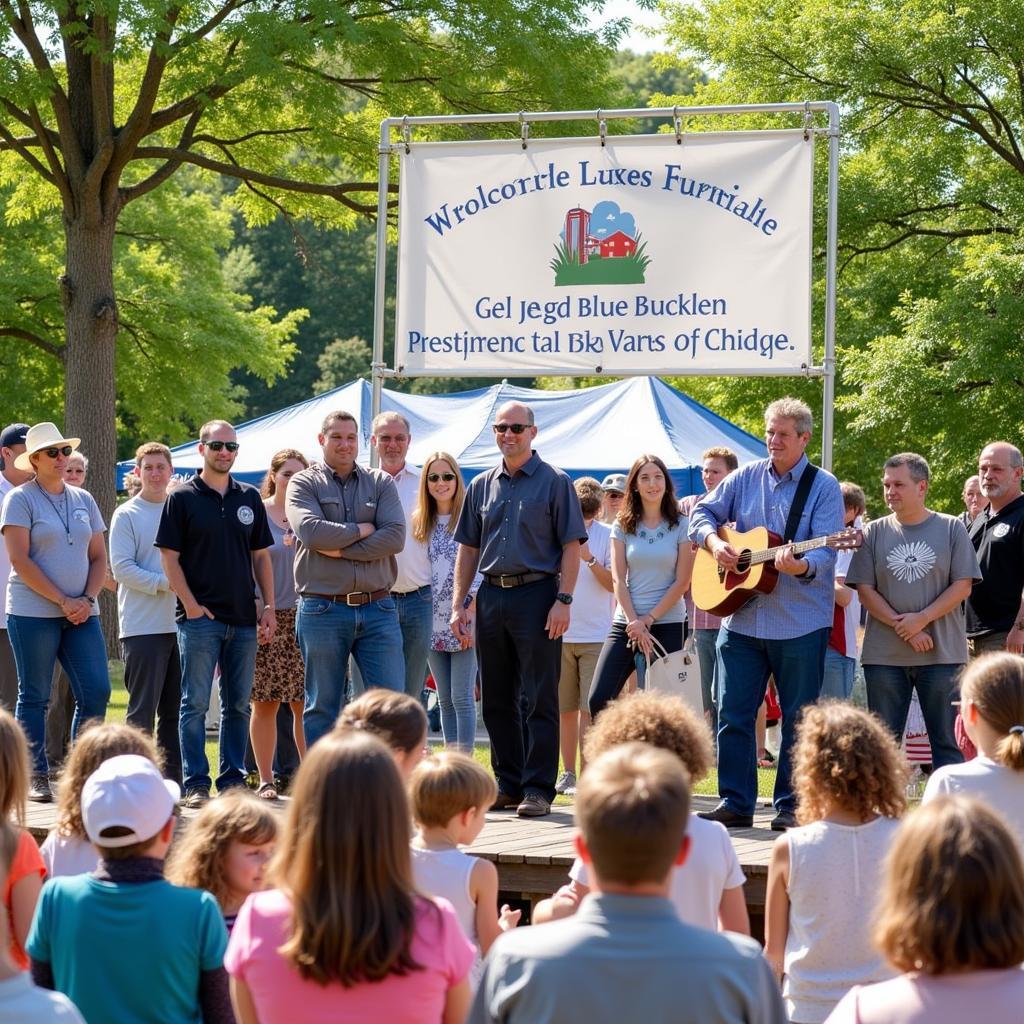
824	875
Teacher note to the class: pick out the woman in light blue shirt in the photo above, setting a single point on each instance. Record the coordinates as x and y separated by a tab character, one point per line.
651	565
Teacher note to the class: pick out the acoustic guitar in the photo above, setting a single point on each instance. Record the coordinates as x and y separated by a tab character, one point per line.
722	591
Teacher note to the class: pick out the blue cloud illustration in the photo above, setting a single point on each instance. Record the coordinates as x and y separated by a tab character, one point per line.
607	218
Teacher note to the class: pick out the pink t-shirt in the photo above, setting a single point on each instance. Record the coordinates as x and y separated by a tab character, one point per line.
277	988
948	999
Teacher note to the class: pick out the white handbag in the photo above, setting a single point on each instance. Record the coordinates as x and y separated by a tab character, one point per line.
677	673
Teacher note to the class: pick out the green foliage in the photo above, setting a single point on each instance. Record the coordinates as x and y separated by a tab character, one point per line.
342	361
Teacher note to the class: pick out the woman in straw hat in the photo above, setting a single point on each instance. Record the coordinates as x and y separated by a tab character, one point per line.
54	538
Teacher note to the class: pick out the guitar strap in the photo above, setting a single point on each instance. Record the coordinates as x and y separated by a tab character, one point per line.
796	510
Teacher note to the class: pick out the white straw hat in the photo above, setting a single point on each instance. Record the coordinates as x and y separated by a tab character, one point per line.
42	435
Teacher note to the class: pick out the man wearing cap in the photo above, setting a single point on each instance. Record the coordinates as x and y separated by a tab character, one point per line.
12	444
213	538
123	943
349	525
521	523
614	487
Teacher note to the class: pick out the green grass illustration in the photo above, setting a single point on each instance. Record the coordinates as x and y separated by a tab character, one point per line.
610	270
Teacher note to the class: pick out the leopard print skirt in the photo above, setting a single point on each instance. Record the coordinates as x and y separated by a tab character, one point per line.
280	674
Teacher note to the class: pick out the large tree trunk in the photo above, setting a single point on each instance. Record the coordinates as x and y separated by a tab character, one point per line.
90	324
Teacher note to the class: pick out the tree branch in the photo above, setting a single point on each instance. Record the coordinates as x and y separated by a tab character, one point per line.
162	173
30	158
57	351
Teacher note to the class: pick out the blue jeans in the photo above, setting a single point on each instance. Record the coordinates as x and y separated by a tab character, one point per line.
203	643
328	632
705	640
416	620
38	644
744	665
454	675
890	688
839	675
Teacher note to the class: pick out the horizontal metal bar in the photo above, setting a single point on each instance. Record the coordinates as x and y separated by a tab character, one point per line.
547	371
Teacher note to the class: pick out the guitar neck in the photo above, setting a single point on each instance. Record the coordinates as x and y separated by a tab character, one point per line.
768	555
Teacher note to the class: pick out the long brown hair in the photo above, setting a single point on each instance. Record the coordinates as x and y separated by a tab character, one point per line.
633	508
278	459
425	514
344	862
15	768
994	684
952	899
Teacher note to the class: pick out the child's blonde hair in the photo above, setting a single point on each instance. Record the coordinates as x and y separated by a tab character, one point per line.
952	900
659	719
398	719
97	742
447	784
15	768
994	684
197	858
845	756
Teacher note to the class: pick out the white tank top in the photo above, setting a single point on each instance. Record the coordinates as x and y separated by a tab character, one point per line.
834	877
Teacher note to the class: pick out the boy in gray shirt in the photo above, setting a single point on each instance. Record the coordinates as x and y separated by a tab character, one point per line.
912	574
626	955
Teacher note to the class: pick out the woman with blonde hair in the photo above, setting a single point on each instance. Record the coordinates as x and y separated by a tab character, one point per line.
992	710
345	935
452	659
951	919
280	672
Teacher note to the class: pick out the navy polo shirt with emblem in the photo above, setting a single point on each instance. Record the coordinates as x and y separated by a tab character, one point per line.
215	536
998	538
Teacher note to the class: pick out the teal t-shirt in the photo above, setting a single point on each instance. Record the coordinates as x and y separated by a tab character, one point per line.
128	953
651	559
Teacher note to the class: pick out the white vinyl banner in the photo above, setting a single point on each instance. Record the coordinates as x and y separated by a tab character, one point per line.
639	256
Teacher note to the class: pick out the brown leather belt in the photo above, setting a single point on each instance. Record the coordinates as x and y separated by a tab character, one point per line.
517	581
353	600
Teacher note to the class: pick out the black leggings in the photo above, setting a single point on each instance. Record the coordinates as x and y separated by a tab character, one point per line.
617	660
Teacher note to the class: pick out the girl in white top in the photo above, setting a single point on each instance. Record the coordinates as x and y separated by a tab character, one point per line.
824	876
992	709
67	850
449	795
949	917
708	889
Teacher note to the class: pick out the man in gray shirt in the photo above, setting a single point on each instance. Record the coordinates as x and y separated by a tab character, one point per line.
626	955
913	573
349	525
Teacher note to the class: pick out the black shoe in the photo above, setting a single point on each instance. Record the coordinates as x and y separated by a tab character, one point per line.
39	790
504	802
729	818
783	820
534	805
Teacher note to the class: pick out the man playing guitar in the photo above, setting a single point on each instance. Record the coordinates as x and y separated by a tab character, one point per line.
783	633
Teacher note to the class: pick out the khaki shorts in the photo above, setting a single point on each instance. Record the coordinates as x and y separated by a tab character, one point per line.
578	664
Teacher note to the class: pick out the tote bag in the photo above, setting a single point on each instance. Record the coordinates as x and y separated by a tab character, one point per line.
677	673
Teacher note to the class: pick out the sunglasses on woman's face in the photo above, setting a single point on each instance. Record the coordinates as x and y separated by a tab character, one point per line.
446	477
215	446
52	453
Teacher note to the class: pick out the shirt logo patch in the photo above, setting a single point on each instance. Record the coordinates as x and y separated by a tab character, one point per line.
910	562
81	515
245	515
1000	530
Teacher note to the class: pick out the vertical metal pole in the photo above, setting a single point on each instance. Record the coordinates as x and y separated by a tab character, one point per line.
829	390
380	275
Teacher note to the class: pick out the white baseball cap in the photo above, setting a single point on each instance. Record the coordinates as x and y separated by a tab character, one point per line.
127	792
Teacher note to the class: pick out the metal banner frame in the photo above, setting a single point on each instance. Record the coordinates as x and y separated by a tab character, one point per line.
404	126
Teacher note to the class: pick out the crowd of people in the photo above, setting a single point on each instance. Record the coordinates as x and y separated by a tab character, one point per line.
551	597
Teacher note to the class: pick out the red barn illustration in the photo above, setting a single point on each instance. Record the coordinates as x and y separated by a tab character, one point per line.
618	244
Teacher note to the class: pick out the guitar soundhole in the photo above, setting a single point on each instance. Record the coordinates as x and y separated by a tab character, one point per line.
743	565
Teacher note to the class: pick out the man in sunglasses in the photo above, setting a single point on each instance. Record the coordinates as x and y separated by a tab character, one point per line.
213	538
522	526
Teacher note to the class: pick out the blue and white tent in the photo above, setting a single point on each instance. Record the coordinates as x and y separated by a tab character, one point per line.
587	432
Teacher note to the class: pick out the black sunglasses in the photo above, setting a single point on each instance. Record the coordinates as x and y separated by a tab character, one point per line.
446	477
52	453
516	428
215	446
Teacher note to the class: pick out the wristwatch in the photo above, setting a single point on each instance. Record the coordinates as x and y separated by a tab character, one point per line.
564	598
91	600
590	563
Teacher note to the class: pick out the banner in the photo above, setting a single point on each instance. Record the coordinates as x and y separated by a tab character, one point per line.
639	256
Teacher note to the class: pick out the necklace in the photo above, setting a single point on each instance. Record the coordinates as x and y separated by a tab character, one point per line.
65	520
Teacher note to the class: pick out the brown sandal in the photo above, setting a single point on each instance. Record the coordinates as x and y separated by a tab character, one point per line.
267	791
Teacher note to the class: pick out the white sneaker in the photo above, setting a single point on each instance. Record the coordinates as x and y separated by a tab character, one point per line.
566	783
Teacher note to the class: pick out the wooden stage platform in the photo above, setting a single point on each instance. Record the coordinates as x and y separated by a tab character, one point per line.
533	856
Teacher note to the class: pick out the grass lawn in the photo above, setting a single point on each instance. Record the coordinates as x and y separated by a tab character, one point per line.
118	707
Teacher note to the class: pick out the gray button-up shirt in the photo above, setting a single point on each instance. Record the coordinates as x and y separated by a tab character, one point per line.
324	510
521	523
